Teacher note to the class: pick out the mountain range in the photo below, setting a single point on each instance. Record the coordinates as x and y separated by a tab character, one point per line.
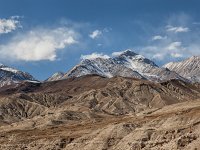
125	64
129	64
9	76
117	103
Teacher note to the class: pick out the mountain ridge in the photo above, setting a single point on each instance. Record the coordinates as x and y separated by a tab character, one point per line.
126	64
188	68
9	76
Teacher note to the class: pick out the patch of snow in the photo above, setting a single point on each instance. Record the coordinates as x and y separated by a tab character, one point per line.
10	69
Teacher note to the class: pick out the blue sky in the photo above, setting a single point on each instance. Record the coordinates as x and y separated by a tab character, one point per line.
45	36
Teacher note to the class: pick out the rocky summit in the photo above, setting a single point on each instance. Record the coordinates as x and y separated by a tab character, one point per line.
12	76
126	64
188	68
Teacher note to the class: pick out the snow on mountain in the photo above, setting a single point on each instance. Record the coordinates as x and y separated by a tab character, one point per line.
188	68
56	76
126	63
10	76
10	69
106	67
134	61
145	66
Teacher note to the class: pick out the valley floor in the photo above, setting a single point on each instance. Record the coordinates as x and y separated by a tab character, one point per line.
172	127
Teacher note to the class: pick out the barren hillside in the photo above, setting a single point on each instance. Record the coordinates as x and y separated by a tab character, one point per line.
93	112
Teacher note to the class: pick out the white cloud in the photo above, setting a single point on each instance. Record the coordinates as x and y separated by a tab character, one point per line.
38	44
165	50
159	56
176	55
94	56
177	29
117	53
9	25
107	29
158	37
99	44
95	34
174	46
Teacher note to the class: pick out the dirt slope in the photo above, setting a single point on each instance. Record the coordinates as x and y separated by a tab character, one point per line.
93	112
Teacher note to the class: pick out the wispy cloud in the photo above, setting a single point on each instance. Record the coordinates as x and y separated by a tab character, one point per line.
161	52
99	44
175	45
9	25
95	34
159	56
177	29
158	37
38	44
196	23
94	56
117	53
176	55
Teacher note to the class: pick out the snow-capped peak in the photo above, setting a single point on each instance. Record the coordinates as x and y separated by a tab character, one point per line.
135	61
125	63
9	69
56	76
188	68
127	52
10	76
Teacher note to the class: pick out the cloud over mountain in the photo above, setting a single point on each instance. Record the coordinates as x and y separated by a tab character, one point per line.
94	56
180	39
38	44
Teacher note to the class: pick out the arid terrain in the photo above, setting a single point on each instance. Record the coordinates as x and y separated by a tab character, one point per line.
94	112
99	75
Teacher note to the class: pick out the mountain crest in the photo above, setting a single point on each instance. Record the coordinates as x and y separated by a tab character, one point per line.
128	52
56	76
10	76
126	64
188	68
